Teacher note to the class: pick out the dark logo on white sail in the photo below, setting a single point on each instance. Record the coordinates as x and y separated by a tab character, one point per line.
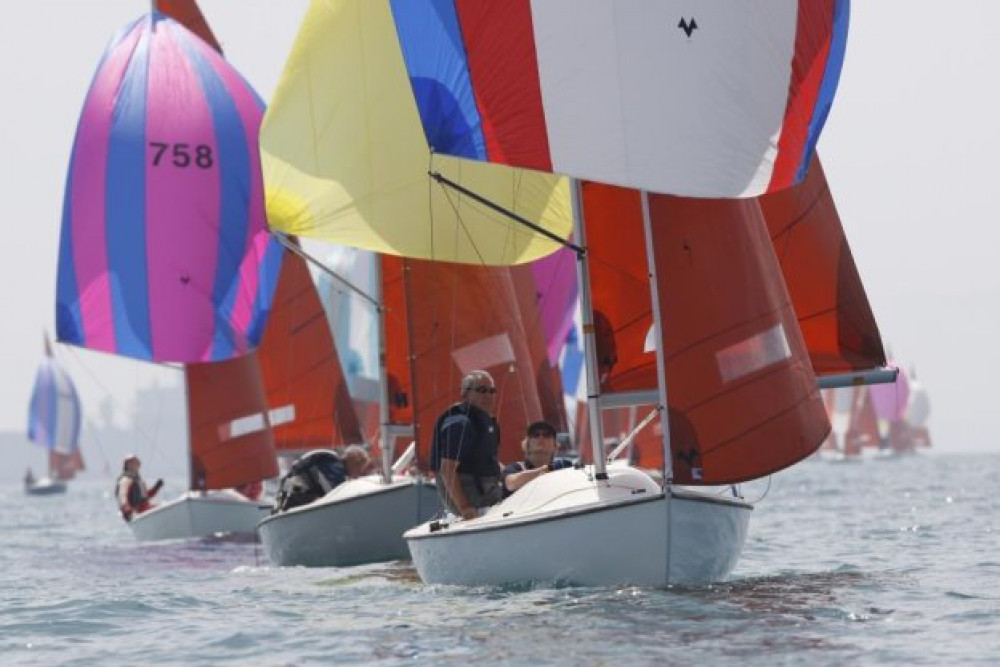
688	26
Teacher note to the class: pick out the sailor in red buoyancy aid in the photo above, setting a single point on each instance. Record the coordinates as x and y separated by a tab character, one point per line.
130	489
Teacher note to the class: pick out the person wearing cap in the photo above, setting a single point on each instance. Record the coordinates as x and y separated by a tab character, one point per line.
465	445
540	446
130	489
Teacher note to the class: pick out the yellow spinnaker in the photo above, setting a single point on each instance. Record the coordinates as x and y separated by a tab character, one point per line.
345	159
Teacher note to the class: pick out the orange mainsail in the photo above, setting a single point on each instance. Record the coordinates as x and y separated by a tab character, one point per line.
231	442
742	395
306	390
461	318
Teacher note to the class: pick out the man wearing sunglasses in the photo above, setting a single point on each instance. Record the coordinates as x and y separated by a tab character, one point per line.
540	446
464	449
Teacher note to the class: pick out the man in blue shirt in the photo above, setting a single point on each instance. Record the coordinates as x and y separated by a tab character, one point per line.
540	447
464	448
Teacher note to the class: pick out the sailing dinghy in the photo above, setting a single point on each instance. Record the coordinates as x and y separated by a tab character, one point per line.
727	368
54	423
174	263
467	151
360	520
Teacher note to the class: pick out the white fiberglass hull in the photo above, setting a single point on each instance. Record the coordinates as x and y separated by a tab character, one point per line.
45	487
360	521
563	527
196	514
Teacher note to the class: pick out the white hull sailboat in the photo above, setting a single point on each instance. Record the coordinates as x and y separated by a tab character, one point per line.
742	401
359	521
545	533
197	514
45	487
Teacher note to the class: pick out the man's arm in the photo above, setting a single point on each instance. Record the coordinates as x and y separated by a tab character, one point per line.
515	481
448	475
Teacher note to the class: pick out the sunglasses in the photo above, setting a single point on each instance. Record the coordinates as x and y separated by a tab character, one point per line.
485	390
542	434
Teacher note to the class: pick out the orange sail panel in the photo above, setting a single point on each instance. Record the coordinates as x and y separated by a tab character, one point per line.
231	442
742	394
619	280
188	14
826	290
307	393
397	348
463	318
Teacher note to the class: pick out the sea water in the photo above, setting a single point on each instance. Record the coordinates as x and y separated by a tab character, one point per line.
881	562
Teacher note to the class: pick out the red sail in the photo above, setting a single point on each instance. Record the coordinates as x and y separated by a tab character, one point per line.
399	393
742	395
231	443
65	466
462	318
307	393
829	299
862	430
188	14
620	288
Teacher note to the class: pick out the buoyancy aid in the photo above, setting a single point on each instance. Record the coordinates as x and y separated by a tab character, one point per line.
482	460
135	496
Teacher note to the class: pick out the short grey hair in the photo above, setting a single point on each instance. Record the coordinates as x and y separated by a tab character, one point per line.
353	451
473	378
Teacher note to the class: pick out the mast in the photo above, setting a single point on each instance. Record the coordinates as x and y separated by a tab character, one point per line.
589	338
661	364
383	379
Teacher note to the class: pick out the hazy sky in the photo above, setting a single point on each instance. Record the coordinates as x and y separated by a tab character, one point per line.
909	150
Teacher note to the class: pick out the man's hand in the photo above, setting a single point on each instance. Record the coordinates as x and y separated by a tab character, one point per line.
469	512
156	487
126	512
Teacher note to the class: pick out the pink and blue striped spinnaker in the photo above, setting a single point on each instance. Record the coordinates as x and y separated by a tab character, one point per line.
165	253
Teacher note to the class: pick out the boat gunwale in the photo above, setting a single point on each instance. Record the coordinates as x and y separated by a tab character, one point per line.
521	521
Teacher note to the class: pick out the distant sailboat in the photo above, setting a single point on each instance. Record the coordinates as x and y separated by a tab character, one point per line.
54	423
174	263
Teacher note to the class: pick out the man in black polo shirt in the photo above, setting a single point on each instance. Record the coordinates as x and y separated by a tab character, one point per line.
540	447
464	448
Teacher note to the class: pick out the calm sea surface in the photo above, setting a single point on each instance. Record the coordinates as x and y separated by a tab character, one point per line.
880	562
